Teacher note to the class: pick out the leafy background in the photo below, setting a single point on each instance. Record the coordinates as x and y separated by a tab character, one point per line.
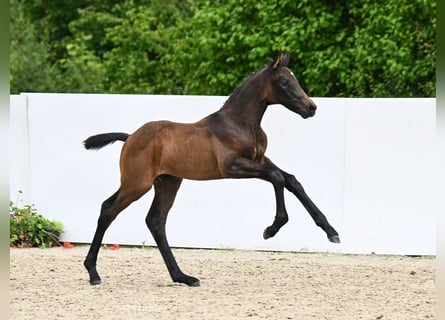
338	48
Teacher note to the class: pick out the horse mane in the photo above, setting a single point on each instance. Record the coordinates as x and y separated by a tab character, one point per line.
246	80
242	85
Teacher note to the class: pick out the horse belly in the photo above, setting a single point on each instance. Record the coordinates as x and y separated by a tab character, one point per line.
190	158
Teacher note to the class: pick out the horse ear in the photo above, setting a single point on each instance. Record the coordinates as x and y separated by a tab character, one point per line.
281	60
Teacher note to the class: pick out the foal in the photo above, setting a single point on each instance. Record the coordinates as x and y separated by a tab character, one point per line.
229	143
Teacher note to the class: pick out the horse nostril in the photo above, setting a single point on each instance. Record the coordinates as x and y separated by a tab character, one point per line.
312	107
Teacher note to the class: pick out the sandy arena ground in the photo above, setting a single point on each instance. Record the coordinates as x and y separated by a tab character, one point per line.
52	284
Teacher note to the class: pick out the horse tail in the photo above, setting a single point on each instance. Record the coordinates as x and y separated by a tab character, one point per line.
101	140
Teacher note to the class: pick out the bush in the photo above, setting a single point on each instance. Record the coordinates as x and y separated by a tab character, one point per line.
30	229
338	48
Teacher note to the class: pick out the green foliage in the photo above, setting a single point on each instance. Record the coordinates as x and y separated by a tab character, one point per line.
394	49
29	67
30	229
239	36
81	71
139	43
34	66
338	48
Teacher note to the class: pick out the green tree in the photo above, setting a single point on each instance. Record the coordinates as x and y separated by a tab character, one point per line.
29	54
392	48
338	48
33	65
341	48
133	42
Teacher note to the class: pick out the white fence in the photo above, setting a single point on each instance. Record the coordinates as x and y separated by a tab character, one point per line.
367	163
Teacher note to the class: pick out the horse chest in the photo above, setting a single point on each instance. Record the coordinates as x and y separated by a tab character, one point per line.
254	151
259	151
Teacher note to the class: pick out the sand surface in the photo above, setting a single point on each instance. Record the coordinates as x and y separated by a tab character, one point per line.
52	284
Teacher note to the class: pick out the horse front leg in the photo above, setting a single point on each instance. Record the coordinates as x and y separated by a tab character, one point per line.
245	168
281	216
294	186
166	188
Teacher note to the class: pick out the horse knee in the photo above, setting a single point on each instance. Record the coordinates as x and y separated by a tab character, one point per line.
277	178
293	184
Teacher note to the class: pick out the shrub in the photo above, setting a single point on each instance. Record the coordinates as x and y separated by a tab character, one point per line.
338	48
30	229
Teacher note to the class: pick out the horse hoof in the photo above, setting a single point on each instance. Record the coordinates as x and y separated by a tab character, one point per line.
266	235
194	284
95	282
191	281
188	280
334	239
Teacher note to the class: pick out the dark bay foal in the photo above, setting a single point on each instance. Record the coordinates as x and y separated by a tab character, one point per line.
229	143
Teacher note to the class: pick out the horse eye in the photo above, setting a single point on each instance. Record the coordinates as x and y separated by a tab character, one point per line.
284	82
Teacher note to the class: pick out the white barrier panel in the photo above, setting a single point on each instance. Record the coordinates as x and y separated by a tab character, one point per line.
389	183
19	149
366	163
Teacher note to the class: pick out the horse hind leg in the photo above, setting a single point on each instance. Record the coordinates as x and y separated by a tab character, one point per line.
166	187
294	186
111	207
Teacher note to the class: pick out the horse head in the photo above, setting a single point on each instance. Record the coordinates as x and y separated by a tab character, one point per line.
284	88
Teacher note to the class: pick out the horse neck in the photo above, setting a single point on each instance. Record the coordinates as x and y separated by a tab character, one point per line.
247	105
